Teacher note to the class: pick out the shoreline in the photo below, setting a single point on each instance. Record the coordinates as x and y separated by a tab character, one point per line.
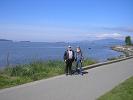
127	50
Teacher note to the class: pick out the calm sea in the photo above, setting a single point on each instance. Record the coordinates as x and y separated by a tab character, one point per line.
25	52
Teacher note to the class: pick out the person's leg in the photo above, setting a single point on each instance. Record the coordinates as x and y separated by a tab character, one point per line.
78	64
81	68
70	67
66	69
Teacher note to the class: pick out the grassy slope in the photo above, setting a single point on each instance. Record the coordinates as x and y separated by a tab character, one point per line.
21	74
124	91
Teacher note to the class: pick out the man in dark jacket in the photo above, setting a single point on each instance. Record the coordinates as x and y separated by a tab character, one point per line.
69	58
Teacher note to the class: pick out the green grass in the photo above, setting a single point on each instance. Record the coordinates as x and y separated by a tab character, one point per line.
20	74
124	91
113	58
88	62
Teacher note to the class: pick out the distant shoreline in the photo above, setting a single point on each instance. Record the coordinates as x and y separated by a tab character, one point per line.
5	40
127	50
24	41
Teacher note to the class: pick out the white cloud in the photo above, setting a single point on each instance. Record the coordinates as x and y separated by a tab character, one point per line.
113	35
105	36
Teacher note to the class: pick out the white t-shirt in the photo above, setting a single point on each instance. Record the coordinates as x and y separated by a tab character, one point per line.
70	54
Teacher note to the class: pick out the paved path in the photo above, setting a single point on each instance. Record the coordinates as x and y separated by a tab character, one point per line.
88	87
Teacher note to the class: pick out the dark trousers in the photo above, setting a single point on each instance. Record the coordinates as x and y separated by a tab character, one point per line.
79	65
68	69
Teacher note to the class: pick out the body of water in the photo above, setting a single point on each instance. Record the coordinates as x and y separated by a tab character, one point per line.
25	52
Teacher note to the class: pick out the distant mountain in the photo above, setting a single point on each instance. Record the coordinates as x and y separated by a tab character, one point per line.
108	42
61	42
24	41
103	42
6	40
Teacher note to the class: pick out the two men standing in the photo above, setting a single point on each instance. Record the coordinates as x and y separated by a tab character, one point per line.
69	58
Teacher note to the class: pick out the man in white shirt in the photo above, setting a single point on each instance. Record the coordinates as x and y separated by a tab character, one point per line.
69	57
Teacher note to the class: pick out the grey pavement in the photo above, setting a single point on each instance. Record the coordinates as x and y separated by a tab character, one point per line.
87	87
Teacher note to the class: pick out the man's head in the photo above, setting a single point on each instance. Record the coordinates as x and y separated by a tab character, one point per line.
69	48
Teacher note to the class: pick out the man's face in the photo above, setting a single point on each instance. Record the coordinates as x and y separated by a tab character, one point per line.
69	49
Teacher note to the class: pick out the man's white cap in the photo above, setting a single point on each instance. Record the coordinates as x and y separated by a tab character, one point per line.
69	46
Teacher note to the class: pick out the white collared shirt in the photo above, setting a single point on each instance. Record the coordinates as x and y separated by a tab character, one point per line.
70	53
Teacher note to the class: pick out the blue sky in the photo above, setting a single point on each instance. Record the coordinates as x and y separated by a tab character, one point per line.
65	20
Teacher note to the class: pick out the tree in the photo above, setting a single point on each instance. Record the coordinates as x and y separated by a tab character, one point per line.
128	40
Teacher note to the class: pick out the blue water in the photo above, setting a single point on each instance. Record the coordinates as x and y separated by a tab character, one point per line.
25	52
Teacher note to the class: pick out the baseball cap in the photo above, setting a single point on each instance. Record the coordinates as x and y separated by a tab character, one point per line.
69	46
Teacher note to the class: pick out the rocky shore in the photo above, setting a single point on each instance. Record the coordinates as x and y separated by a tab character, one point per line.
127	50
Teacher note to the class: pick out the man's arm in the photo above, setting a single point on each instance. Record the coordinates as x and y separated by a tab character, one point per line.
65	56
73	56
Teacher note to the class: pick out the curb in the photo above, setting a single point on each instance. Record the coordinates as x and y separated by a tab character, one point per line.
105	63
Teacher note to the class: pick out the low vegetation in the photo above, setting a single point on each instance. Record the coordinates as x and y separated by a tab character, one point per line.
20	74
124	91
113	58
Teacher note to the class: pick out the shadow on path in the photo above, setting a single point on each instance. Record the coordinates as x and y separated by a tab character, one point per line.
77	72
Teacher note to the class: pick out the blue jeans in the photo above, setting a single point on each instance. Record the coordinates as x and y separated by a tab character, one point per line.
79	66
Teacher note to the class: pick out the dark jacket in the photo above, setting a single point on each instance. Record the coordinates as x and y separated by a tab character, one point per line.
66	55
